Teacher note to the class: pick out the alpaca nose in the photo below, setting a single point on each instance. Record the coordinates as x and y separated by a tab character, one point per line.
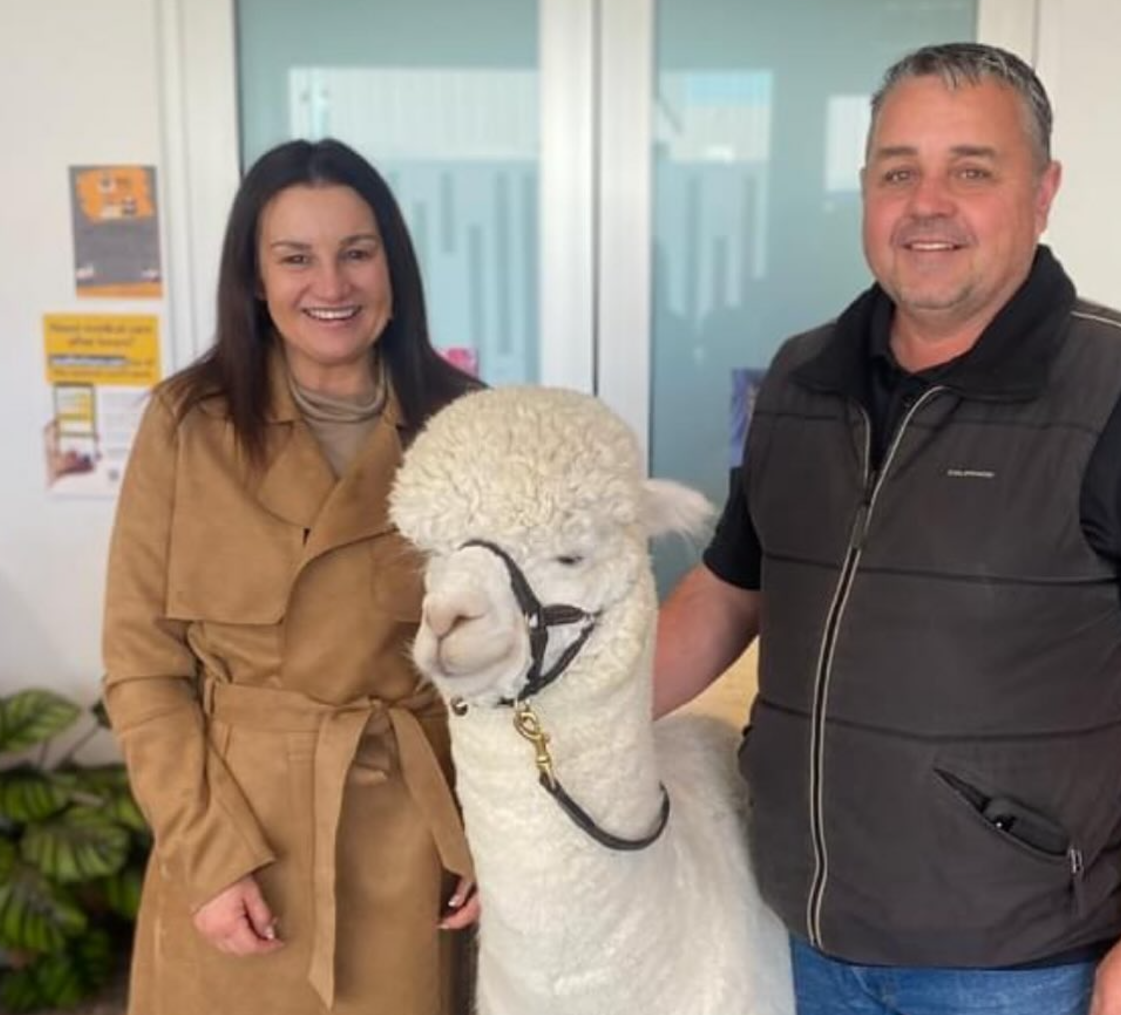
442	615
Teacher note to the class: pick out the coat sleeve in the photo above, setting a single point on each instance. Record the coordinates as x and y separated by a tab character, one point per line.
206	836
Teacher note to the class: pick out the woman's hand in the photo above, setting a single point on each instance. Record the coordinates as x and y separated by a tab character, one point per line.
238	921
464	906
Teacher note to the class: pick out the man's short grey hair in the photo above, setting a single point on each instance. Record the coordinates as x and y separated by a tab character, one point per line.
969	63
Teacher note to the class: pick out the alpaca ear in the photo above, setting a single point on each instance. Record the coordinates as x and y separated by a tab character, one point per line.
674	507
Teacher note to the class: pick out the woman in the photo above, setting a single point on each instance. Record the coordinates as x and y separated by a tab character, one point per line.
308	854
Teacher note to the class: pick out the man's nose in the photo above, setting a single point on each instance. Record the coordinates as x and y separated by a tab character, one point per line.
931	196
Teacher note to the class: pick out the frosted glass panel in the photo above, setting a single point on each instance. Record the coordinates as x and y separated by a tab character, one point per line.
443	98
760	115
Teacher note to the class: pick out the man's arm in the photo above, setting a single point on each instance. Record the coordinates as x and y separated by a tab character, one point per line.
704	626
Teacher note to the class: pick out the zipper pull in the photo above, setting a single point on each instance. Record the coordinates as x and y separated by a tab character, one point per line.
1078	879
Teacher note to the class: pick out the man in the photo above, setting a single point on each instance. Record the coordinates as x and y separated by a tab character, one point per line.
926	536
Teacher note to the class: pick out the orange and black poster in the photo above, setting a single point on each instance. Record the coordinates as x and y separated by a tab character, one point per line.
116	231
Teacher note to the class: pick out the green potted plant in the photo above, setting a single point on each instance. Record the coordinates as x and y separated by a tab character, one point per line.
72	850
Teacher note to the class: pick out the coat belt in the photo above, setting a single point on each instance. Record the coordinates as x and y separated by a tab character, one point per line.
339	730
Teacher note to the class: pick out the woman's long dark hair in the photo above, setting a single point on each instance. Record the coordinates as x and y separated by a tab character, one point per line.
236	366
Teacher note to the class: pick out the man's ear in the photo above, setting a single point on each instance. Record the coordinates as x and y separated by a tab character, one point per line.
1049	182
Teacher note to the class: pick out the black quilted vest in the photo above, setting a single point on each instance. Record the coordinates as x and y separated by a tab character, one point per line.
935	752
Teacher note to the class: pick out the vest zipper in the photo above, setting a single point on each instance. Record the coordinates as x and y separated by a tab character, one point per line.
857	535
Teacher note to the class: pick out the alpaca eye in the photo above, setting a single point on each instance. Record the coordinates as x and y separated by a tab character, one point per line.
569	559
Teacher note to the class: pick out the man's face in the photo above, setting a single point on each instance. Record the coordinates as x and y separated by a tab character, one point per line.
954	202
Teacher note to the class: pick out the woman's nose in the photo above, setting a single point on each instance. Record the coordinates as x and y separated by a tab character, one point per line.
331	282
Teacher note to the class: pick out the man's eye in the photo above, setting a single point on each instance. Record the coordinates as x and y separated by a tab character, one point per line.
897	176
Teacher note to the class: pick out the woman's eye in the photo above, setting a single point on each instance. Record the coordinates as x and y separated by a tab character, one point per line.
569	559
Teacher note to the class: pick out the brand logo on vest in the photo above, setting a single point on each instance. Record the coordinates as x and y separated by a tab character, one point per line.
971	474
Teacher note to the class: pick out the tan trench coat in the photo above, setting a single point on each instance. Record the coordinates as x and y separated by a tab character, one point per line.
258	681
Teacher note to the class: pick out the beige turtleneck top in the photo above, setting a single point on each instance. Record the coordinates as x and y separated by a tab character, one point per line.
340	425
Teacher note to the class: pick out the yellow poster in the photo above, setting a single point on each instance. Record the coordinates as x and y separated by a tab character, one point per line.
100	368
121	350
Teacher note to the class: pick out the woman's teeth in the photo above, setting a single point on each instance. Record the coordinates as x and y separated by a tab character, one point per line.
324	314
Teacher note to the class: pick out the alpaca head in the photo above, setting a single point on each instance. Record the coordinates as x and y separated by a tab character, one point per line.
539	482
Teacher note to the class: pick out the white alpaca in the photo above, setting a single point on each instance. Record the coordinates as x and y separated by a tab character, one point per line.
552	483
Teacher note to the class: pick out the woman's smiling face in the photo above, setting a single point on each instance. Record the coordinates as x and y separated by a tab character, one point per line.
325	280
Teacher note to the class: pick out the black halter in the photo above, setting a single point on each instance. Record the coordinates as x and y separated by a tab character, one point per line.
538	619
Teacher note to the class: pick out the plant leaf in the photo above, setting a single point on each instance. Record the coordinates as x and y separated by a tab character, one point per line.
30	717
9	857
36	915
19	992
79	844
98	778
109	784
30	795
123	809
121	891
64	978
70	976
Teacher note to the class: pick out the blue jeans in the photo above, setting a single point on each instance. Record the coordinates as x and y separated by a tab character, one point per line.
827	987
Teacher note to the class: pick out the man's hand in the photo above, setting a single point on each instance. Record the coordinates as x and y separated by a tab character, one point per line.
238	920
464	906
1107	984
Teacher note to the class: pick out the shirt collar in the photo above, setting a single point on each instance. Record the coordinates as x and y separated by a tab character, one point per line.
1009	361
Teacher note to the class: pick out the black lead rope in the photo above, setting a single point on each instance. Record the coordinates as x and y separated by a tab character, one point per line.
529	726
587	823
538	619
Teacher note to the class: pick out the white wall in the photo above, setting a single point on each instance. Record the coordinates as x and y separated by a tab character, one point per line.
1079	60
91	83
79	84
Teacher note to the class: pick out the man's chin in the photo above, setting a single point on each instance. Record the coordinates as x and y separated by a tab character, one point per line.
927	300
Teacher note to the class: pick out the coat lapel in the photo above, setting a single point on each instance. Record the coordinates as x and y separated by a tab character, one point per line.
358	506
298	480
299	486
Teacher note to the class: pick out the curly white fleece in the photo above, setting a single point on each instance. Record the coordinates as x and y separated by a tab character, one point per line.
569	927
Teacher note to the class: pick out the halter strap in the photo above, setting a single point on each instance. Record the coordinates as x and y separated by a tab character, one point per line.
539	619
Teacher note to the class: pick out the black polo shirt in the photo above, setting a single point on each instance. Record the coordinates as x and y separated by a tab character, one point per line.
888	392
